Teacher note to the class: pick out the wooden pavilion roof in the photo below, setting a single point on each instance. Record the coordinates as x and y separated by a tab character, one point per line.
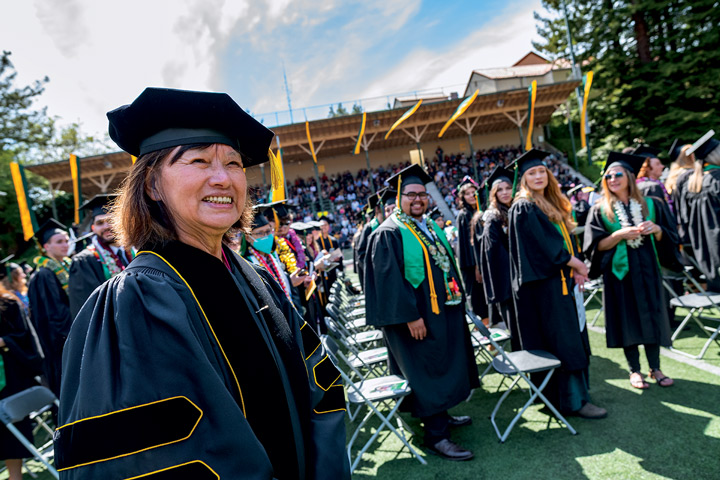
332	137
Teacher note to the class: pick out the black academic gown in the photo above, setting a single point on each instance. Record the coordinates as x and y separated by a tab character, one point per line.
682	208
635	307
86	274
491	247
547	318
179	364
466	261
362	247
22	363
441	368
704	226
50	314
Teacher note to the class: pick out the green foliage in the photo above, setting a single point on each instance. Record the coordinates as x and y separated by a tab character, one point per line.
341	111
656	66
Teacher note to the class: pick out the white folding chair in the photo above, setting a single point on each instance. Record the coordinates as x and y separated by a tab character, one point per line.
386	392
593	288
27	403
520	364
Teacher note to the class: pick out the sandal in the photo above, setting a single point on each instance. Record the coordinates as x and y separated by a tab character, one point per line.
638	381
661	379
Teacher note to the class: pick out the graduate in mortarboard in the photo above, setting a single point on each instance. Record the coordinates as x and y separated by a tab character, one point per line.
101	260
289	246
413	291
47	296
437	216
702	199
469	200
490	242
544	270
193	362
627	238
680	162
648	177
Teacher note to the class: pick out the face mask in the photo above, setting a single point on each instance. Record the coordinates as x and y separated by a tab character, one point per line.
264	244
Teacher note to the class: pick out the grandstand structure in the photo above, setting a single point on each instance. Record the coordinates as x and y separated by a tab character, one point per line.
497	117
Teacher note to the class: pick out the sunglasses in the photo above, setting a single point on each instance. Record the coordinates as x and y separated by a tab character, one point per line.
609	176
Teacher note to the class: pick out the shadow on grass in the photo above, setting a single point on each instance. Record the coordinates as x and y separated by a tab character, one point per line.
672	432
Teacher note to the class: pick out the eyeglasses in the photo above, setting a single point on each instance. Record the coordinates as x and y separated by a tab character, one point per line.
413	195
609	176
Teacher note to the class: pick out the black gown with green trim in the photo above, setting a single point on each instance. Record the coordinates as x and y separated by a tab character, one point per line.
635	307
547	318
184	365
441	368
466	261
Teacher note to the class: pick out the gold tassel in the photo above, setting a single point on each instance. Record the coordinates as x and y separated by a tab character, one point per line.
564	284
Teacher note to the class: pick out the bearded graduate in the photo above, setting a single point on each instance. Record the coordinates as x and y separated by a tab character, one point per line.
703	207
544	268
413	291
192	363
491	251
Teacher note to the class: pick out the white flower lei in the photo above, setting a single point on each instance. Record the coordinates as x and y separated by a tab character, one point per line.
637	219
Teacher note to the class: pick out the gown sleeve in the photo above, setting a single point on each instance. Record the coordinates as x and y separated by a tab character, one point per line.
465	256
49	310
495	262
327	418
667	248
362	252
595	232
84	279
389	298
17	337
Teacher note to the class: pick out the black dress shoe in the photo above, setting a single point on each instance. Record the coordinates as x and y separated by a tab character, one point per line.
459	421
452	451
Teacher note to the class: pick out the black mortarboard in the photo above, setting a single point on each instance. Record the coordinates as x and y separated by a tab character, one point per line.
646	151
676	149
372	202
388	196
631	163
6	266
526	161
260	220
412	175
98	205
324	217
162	117
48	229
280	208
465	181
704	146
499	174
435	213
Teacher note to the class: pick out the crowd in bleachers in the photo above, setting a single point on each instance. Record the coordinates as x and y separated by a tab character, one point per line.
346	193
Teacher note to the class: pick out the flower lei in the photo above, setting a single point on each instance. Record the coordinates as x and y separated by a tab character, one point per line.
286	255
637	219
439	255
60	269
267	262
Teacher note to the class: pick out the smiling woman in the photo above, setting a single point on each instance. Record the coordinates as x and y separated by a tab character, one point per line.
190	344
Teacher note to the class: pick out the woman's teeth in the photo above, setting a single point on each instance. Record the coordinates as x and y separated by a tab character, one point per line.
217	199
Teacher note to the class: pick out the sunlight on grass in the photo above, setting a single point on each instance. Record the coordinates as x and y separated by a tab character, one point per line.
713	426
618	465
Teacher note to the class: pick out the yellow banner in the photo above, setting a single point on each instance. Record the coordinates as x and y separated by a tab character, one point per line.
75	174
459	111
532	90
23	205
312	148
277	179
361	134
405	116
583	115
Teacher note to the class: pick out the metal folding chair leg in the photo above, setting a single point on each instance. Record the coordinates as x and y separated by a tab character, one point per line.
31	448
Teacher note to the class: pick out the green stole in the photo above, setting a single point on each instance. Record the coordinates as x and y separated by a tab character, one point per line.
707	168
374	224
620	263
413	252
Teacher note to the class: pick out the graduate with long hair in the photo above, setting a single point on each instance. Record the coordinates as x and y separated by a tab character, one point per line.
490	242
544	269
469	269
626	236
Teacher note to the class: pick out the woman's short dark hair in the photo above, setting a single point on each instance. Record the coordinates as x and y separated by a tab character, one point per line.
141	222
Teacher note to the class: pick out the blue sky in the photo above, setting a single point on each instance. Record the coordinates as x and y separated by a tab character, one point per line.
101	54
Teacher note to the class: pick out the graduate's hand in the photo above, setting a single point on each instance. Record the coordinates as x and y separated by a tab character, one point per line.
578	266
648	228
580	281
628	233
296	279
307	280
417	329
478	275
